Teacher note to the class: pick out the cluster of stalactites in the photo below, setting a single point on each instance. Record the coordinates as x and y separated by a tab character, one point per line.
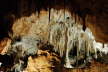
65	34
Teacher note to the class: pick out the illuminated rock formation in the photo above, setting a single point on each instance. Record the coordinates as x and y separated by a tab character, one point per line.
68	28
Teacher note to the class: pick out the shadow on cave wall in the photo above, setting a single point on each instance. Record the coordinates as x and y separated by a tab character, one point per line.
7	7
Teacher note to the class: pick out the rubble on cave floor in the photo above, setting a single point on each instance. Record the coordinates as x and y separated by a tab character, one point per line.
44	62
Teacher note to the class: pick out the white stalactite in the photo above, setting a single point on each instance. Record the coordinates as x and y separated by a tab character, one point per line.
65	34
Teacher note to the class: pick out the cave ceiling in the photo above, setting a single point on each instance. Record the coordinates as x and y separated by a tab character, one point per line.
94	13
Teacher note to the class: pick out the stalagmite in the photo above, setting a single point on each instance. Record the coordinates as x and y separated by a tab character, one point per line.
69	45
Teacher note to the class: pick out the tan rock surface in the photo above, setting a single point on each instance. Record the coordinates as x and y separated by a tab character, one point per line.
44	62
4	44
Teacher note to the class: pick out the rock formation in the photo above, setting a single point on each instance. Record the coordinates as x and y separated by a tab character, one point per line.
52	35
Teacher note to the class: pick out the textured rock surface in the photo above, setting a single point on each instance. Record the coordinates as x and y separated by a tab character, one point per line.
4	44
35	18
93	12
46	61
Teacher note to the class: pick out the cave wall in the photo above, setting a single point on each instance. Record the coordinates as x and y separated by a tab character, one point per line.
33	18
94	13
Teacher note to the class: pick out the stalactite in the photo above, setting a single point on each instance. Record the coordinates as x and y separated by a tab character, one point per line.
84	24
75	18
49	14
64	8
103	45
79	19
57	37
69	37
49	9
